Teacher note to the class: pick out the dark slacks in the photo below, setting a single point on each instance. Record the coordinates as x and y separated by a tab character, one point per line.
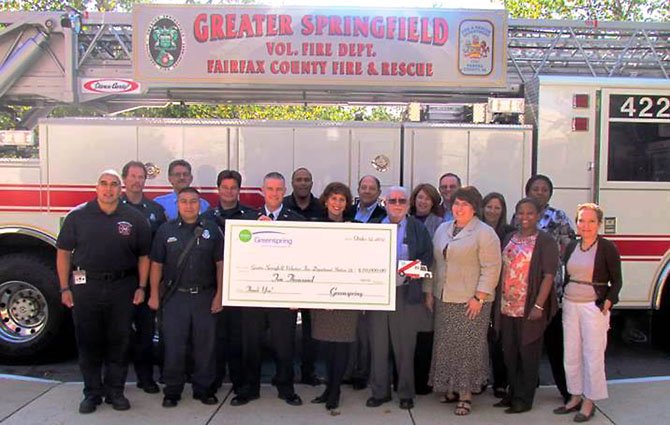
423	355
188	315
143	355
309	346
396	331
358	367
282	323
229	347
553	343
497	360
522	361
103	314
336	356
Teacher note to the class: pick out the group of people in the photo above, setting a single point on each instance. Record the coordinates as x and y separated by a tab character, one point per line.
493	302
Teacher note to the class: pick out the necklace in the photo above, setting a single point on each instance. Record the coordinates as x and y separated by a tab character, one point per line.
589	247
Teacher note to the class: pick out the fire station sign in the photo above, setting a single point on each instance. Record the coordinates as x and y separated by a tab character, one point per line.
210	46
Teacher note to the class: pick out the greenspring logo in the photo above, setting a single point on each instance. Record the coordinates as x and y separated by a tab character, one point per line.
245	235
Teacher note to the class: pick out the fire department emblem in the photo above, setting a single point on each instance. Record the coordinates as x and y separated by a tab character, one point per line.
124	228
475	42
165	42
152	170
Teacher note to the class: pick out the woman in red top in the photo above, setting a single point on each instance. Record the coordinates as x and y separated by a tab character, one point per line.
527	302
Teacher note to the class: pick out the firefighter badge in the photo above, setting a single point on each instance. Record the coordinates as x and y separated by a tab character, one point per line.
124	228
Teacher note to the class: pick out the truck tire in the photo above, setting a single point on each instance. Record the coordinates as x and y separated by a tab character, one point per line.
31	314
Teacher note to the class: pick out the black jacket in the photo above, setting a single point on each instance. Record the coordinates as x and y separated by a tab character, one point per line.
377	214
419	247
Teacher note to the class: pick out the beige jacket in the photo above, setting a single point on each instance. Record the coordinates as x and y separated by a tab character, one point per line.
472	264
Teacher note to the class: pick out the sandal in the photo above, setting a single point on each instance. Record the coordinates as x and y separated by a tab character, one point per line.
463	408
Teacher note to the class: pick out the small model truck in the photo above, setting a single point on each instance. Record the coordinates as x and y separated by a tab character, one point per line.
413	269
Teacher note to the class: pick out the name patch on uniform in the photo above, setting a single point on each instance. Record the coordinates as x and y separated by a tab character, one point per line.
124	228
171	239
205	234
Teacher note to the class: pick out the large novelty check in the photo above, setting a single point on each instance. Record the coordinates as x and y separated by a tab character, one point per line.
339	266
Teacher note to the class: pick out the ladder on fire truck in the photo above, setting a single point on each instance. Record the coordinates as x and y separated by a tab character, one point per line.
42	54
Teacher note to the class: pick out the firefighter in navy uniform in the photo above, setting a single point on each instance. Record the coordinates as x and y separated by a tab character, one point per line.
229	322
187	254
134	175
281	321
108	244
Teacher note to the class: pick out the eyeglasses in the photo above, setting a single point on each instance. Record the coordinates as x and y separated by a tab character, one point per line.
396	201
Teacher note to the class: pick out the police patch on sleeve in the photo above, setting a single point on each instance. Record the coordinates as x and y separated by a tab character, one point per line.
205	234
124	228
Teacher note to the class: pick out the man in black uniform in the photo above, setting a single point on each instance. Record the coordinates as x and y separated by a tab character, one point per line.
189	311
229	322
280	320
307	205
108	243
134	175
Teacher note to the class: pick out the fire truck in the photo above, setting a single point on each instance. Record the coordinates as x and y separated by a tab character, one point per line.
589	102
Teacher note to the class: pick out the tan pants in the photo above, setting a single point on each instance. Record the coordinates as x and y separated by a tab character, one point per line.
585	339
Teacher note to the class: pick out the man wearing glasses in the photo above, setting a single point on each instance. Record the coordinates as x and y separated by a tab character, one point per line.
399	327
180	177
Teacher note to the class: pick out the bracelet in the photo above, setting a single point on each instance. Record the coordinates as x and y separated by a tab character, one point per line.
144	288
538	307
62	290
479	300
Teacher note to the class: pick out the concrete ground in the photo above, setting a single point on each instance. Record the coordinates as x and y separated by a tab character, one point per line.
29	401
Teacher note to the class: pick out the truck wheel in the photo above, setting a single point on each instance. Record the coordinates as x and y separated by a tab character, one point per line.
31	314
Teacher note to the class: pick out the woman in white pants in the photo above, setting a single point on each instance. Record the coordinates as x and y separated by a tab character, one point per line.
593	281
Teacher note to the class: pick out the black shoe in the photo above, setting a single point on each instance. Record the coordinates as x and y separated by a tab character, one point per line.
359	384
292	399
499	393
170	402
118	401
562	410
406	404
89	404
241	400
149	387
311	380
505	402
424	389
517	408
332	404
376	402
320	399
208	399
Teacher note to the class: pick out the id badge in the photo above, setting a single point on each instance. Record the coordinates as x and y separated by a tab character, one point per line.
79	277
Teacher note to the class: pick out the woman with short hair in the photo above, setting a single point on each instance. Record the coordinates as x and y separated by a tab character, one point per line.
593	282
525	304
335	329
466	271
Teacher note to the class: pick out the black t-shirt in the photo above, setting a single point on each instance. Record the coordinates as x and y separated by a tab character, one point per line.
313	212
151	210
105	242
200	264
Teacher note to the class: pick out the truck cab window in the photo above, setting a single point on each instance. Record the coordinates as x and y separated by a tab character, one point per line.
639	152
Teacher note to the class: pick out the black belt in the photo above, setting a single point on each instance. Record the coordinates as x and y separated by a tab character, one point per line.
110	276
193	290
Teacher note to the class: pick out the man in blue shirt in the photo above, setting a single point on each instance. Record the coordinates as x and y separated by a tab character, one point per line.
449	184
180	177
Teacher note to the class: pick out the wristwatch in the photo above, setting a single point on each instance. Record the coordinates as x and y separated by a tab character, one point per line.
479	300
